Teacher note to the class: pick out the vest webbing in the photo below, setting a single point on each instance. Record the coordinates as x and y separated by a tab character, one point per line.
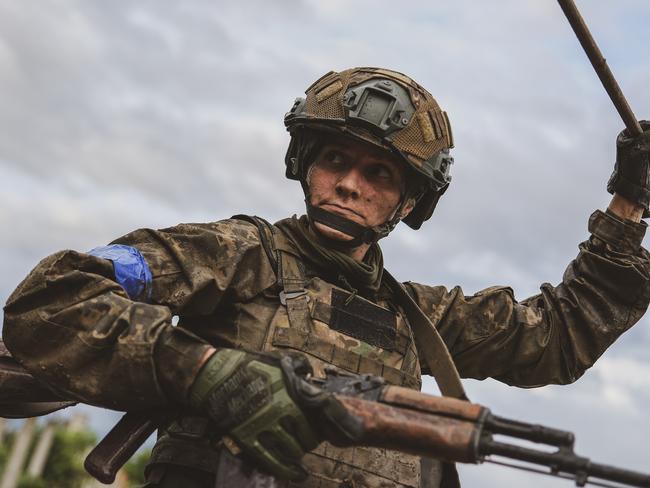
290	273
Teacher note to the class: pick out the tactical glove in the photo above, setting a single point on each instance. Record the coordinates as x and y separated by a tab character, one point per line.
631	176
247	395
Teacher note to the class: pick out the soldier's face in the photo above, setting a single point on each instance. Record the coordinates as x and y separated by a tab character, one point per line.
357	181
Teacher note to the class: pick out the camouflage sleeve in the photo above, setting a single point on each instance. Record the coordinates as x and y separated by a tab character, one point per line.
71	324
552	337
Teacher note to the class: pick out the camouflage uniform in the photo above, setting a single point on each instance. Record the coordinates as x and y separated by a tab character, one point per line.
73	326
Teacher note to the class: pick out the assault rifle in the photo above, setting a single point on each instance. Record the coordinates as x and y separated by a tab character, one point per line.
385	416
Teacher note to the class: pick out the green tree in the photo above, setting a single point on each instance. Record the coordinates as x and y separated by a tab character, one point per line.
5	449
27	481
64	467
135	467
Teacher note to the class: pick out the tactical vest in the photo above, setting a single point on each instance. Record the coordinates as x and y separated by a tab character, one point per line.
331	326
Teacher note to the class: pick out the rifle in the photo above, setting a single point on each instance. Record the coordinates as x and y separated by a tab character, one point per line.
455	430
385	416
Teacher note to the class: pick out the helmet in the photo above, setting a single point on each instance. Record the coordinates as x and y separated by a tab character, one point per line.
384	108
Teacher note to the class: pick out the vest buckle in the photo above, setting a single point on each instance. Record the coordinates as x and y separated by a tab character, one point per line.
284	296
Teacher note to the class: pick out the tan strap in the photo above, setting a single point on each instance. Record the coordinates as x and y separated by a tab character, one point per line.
292	279
429	344
288	269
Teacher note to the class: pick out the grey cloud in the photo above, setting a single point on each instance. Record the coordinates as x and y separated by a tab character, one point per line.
118	115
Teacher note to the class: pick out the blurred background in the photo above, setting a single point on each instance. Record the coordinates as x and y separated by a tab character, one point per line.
127	114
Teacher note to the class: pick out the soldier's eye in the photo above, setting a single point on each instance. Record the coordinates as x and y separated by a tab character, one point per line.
380	171
334	158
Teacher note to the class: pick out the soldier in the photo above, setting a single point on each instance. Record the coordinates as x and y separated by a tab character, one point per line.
370	147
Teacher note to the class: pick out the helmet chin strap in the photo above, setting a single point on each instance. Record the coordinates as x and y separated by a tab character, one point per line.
360	234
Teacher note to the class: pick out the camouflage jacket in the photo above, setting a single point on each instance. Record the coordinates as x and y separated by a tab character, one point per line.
73	326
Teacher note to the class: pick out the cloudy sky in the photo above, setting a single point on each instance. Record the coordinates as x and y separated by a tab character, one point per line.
124	114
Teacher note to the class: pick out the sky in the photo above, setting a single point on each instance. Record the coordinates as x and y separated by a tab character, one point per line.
120	115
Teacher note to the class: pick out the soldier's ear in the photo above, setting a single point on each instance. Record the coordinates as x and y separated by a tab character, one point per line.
407	207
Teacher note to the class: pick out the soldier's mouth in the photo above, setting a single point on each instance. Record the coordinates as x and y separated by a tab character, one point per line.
343	211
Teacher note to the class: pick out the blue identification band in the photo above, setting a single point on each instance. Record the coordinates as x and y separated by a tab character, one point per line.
131	269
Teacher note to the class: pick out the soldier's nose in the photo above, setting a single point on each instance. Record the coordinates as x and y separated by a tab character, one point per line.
349	185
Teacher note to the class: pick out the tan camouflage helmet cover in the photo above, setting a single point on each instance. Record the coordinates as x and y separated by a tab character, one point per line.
385	108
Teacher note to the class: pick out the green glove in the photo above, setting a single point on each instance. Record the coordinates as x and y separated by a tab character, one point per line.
246	395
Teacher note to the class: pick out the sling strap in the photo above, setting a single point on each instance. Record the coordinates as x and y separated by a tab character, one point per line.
428	342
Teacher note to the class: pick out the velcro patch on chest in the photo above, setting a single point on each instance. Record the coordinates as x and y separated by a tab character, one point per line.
363	320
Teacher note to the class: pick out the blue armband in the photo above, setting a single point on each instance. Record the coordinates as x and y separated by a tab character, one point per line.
131	269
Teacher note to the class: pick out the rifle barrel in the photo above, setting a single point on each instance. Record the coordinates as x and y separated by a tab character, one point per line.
529	432
564	460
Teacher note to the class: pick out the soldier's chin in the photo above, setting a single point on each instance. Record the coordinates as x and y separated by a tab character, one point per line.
330	233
